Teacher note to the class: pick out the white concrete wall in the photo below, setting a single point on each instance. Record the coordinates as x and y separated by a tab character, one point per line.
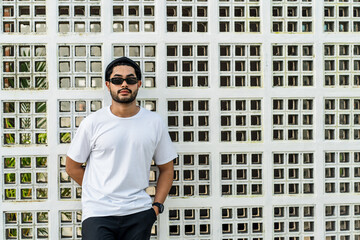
261	98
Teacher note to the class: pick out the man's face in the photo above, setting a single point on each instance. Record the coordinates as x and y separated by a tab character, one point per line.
123	93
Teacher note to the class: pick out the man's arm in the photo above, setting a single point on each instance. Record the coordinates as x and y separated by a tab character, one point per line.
164	183
75	170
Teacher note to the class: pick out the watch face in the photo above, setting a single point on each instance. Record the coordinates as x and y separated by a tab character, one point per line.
160	206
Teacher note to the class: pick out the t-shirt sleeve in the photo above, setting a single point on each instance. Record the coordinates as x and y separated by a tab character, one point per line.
165	151
80	146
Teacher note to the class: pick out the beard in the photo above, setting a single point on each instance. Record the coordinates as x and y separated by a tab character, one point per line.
126	100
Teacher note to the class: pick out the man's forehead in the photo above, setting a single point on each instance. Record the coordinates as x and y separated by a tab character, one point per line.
123	69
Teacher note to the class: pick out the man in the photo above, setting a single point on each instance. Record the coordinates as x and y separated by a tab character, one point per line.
118	143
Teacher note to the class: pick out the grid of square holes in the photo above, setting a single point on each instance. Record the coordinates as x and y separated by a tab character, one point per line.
244	222
191	175
23	17
292	16
240	65
294	222
26	225
79	16
293	173
341	16
190	223
239	16
133	16
187	16
24	122
342	221
342	119
23	66
68	188
71	113
342	65
293	65
80	66
149	104
25	178
187	65
144	56
293	119
342	172
241	174
241	120
188	120
70	225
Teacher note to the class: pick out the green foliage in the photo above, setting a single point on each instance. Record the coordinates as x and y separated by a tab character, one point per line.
41	123
26	193
25	138
40	66
41	162
40	82
10	178
41	193
9	107
10	194
24	107
9	138
65	137
25	177
11	217
25	123
43	217
40	107
24	67
25	162
65	193
9	162
24	82
26	232
9	122
41	138
42	232
12	233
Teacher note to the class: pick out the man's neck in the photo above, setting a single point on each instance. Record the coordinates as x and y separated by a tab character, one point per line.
124	110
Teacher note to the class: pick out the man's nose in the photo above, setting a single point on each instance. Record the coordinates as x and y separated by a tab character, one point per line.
124	84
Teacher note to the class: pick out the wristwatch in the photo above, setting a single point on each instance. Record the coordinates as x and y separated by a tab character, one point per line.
159	205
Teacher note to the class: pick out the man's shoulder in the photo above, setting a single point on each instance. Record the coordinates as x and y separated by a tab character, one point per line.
95	116
151	115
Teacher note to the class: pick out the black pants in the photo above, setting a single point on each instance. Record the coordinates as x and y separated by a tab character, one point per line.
136	226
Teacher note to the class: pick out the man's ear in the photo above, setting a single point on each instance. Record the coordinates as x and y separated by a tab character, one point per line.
139	83
107	83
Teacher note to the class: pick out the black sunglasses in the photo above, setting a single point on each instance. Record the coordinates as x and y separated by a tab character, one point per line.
119	80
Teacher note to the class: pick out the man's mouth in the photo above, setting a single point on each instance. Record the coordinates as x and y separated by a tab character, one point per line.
124	91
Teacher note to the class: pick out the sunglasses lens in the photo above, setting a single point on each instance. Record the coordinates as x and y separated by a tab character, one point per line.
131	80
117	81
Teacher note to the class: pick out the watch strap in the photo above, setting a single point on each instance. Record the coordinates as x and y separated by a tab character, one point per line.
160	206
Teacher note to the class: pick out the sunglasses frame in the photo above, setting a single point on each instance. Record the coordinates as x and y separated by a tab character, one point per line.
133	80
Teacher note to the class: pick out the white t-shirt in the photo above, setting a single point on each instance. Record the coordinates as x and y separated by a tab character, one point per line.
118	152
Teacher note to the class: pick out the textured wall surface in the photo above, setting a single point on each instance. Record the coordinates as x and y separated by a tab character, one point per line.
261	98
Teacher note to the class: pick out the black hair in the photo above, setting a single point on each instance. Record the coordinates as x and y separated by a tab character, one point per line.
122	61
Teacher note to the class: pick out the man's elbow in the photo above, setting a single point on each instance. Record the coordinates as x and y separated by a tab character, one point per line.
71	166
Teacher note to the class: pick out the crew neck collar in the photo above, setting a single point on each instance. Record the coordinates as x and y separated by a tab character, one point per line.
132	117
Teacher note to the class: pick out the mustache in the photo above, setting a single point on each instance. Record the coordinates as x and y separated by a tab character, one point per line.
124	89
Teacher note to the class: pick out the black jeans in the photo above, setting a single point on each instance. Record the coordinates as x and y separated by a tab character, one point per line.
135	226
